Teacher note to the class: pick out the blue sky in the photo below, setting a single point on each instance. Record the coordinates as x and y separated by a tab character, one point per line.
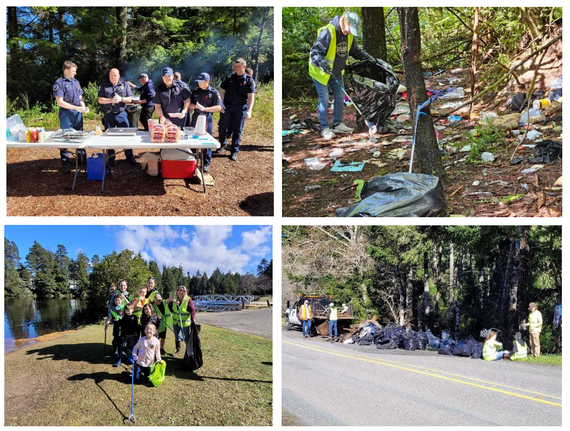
203	248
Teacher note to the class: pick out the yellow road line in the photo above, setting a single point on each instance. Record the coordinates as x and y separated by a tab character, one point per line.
431	374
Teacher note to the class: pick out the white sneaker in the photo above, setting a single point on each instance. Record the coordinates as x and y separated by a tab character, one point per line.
342	128
327	133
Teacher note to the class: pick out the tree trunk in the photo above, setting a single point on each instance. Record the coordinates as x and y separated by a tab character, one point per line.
436	265
524	273
512	323
374	32
530	16
457	297
504	295
121	49
256	56
427	150
426	290
400	297
474	50
409	298
451	296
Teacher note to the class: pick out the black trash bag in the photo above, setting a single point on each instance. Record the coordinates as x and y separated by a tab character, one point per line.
546	152
399	195
374	85
477	351
366	340
446	344
433	341
464	347
386	344
519	101
193	355
422	340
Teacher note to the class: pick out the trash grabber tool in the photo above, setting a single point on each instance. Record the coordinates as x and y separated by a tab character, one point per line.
105	345
418	114
372	129
132	416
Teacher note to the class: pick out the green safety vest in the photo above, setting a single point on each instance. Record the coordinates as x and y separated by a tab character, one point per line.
114	313
317	72
489	351
138	311
157	373
165	319
535	322
334	314
182	313
521	350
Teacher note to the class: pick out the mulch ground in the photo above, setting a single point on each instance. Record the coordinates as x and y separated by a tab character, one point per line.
479	189
36	186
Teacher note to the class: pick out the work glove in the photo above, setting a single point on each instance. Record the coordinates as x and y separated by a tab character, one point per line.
248	115
326	68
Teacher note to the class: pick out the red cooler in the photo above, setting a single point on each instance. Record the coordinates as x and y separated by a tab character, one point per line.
177	163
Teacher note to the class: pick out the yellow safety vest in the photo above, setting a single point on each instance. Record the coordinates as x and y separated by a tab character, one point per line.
182	313
164	318
535	322
305	312
317	72
137	311
334	314
489	350
521	350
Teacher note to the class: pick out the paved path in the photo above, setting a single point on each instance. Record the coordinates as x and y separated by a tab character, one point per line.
396	387
256	322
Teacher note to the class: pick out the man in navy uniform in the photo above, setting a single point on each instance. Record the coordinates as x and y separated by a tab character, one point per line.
205	100
237	95
69	97
114	94
146	91
172	98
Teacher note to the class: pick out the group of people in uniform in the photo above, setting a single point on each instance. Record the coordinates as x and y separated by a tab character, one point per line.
172	99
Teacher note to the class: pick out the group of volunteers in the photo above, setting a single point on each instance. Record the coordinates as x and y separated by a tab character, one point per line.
172	100
492	349
140	325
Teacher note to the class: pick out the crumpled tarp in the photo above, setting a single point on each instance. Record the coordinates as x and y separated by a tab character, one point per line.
399	195
375	86
546	152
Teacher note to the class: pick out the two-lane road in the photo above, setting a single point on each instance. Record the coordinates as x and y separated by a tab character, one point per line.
328	383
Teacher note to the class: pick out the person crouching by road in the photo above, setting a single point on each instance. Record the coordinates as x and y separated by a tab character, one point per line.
205	100
520	348
490	348
114	95
327	61
145	352
69	97
146	91
237	94
306	316
332	316
534	329
172	99
183	314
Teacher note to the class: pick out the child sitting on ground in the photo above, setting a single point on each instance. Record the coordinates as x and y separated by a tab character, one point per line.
148	316
145	352
129	332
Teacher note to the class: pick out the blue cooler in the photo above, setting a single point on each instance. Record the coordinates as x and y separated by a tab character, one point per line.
95	167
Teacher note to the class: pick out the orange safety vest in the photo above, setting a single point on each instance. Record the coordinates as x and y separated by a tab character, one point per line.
305	312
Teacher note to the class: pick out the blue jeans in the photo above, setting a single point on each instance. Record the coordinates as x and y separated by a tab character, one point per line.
141	373
307	327
69	119
231	122
210	130
183	332
332	325
323	104
499	355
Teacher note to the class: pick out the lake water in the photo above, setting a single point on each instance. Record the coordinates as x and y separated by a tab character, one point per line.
27	318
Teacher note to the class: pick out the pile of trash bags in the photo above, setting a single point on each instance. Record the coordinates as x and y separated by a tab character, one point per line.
374	85
393	336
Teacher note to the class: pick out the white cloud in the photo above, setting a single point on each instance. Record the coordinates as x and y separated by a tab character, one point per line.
203	249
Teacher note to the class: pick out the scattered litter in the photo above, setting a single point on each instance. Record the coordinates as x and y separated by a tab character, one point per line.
401	108
450	105
454	119
465	149
532	169
373	140
285	158
315	164
457	93
546	152
376	154
292	117
517	161
476	183
453	80
532	135
524	186
400	139
378	163
403	118
347	167
456	71
500	183
558	182
290	132
535	116
507	200
486	115
313	187
397	153
487	157
337	152
528	145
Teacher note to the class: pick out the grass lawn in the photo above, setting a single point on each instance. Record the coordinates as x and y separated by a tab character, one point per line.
65	381
555	360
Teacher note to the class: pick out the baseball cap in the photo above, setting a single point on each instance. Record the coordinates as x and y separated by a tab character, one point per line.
354	21
143	75
167	71
203	77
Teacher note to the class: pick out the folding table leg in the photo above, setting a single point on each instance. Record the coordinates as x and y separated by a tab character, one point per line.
76	169
104	169
203	175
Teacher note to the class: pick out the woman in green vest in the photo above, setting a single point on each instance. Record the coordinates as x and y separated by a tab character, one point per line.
328	59
183	314
491	346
